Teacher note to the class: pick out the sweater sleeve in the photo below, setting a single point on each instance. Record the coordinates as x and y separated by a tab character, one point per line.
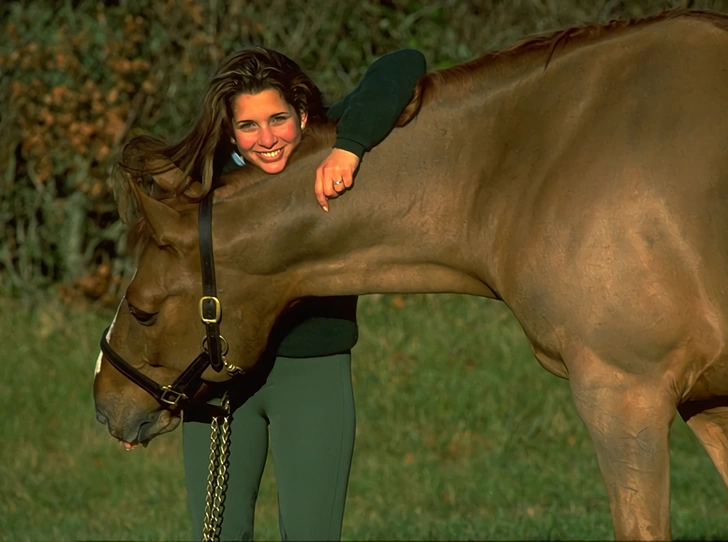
367	114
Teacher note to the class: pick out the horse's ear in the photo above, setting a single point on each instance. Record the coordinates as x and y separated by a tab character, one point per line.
167	225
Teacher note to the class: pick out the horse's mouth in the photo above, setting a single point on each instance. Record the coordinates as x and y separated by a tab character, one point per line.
131	445
166	422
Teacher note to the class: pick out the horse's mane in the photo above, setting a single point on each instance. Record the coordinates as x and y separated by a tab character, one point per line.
431	84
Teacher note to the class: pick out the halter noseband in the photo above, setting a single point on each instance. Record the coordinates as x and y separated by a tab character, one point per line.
214	347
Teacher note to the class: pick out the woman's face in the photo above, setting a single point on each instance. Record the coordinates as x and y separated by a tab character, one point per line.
266	129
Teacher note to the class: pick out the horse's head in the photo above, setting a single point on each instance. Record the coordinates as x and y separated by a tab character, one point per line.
158	330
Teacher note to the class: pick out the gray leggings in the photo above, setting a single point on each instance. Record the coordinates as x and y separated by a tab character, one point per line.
307	407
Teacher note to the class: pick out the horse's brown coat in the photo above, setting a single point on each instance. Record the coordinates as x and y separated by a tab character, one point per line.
582	178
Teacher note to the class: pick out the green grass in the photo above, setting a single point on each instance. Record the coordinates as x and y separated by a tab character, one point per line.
460	435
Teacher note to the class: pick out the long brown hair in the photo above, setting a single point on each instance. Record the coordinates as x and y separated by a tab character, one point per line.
193	159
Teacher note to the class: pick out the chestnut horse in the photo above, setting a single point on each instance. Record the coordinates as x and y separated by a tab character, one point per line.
579	177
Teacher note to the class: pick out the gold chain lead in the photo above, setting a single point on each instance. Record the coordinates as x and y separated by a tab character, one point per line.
217	474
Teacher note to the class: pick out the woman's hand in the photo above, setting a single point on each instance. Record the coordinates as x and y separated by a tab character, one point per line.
334	175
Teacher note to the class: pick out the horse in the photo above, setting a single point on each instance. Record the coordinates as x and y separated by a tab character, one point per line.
580	177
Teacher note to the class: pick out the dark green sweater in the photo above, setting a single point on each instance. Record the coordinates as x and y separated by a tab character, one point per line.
322	326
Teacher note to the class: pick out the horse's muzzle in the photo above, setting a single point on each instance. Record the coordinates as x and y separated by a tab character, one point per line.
140	427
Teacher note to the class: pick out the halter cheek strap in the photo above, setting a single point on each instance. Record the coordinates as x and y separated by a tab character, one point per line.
209	306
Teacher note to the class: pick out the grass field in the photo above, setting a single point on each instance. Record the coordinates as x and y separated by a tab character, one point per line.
460	435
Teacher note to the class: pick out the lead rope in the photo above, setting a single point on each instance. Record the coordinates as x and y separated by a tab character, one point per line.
217	474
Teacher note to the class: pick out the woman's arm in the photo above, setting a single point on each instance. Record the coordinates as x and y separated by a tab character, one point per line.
366	115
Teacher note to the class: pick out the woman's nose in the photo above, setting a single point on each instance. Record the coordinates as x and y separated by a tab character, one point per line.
267	138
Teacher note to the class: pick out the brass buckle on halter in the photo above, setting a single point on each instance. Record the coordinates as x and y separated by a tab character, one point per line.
167	391
218	309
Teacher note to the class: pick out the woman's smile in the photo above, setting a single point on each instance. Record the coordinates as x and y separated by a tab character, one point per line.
271	156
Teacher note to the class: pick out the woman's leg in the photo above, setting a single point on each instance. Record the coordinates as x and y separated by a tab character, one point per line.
248	449
312	422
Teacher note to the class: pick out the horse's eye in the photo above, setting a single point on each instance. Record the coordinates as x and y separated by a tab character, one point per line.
144	318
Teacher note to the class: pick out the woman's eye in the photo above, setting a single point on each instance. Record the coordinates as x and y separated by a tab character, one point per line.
247	127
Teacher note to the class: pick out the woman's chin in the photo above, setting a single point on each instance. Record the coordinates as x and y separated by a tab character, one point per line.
272	167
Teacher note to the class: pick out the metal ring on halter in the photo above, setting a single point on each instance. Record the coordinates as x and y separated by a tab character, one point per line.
225	346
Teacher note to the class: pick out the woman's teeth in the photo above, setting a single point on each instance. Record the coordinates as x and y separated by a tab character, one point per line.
271	154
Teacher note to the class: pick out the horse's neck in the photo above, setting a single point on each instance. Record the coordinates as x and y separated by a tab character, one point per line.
388	234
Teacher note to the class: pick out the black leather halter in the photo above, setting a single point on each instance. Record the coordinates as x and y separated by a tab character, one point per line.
180	394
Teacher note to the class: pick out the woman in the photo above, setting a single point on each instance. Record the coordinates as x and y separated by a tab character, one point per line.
255	112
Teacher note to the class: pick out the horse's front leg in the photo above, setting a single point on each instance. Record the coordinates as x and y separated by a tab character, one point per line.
628	417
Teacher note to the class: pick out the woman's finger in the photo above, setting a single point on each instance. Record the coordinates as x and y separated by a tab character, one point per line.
339	186
318	189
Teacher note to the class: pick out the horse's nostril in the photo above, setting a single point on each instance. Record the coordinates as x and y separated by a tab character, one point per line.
101	418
